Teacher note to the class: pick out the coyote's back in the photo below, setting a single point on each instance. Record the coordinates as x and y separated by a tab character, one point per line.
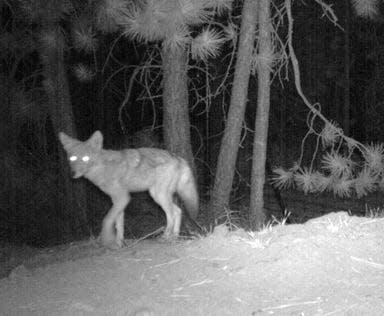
118	173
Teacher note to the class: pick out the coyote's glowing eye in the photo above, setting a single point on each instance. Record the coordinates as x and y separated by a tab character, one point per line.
73	158
85	158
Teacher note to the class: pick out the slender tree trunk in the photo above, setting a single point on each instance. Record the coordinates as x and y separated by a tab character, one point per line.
230	143
257	216
9	132
215	116
346	107
176	124
283	156
57	89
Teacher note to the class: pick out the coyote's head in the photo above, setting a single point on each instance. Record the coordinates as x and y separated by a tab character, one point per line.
82	155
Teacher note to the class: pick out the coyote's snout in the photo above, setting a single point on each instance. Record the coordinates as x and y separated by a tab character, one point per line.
117	173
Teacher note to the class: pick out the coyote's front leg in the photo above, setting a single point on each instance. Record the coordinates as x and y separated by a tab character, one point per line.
112	231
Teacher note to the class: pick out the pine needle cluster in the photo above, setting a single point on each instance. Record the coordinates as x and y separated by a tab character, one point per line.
346	168
170	22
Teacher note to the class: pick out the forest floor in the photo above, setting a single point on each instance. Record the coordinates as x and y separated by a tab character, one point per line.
329	265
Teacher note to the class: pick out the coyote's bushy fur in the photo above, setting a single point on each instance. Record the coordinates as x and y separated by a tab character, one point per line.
117	173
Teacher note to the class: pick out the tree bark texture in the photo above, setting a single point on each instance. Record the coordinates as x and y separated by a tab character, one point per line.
347	62
230	142
265	57
60	111
176	124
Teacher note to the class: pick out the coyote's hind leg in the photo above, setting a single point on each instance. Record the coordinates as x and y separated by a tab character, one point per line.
119	225
172	212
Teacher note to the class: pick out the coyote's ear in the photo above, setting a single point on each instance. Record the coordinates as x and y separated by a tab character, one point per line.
96	140
65	139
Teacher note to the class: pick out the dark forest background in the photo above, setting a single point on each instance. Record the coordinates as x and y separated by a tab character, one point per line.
66	67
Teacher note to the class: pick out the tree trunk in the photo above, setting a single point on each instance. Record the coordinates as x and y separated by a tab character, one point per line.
347	61
283	152
215	115
60	111
230	143
176	124
256	212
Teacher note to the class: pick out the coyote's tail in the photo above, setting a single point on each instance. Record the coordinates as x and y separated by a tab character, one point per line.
187	191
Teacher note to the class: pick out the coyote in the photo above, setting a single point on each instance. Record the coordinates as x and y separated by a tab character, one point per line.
118	173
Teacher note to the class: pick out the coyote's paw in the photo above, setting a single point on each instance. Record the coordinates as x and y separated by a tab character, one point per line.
168	237
114	245
111	242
